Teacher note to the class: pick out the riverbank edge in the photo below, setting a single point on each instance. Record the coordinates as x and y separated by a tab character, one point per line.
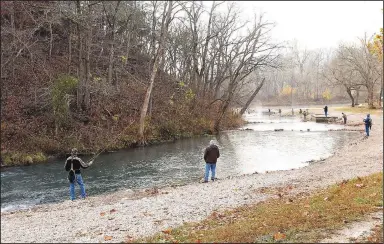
27	159
16	158
153	191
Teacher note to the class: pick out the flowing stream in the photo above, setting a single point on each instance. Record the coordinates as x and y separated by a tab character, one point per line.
242	152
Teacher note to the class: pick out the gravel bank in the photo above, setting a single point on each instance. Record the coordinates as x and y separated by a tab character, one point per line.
126	214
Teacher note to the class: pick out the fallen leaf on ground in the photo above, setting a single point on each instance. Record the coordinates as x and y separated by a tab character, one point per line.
102	213
279	236
107	238
113	210
167	231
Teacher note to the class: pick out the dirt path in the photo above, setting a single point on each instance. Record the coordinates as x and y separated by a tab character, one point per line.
357	231
124	215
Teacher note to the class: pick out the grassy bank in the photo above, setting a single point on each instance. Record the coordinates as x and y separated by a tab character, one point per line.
36	148
295	219
19	158
356	110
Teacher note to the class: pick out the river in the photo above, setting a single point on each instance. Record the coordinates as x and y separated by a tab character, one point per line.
242	152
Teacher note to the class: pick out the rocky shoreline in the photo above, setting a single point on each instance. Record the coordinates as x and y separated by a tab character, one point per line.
127	214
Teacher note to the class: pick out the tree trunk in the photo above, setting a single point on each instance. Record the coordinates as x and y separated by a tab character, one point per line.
112	23
80	71
128	38
50	40
252	97
357	96
87	101
69	50
351	96
164	29
224	108
111	55
370	96
381	90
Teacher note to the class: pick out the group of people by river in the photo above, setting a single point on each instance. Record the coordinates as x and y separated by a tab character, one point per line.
74	164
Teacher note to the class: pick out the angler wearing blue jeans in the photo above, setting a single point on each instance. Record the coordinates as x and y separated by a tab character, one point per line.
79	181
208	167
368	123
73	165
211	154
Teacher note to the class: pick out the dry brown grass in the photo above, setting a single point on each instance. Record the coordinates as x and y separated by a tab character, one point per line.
357	110
298	219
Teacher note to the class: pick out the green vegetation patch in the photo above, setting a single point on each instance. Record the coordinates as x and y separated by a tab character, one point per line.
364	110
17	158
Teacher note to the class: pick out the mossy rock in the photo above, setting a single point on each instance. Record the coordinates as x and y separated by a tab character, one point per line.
7	160
27	159
39	158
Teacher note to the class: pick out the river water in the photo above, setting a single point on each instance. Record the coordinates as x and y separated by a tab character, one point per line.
242	152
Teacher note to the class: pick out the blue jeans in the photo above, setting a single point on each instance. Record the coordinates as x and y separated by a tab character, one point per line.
79	181
367	129
212	167
326	114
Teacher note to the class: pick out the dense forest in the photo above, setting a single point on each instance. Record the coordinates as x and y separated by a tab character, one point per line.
115	74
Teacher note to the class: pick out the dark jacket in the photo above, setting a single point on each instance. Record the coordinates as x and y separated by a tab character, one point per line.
77	164
368	121
211	154
326	109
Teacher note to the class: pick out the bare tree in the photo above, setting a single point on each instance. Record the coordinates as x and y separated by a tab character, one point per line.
339	73
364	63
245	107
243	55
111	20
166	20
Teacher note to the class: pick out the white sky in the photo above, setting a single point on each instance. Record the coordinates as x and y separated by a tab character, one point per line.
318	24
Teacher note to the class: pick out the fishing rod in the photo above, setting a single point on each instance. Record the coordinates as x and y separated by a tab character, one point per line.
105	147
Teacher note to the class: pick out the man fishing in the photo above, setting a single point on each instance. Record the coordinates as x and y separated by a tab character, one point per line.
211	154
344	118
73	165
368	123
326	111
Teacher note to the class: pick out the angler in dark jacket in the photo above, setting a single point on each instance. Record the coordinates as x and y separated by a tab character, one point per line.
211	154
326	111
344	118
368	123
73	164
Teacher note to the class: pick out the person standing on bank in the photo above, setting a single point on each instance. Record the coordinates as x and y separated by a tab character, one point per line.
344	118
368	123
73	165
211	154
326	110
